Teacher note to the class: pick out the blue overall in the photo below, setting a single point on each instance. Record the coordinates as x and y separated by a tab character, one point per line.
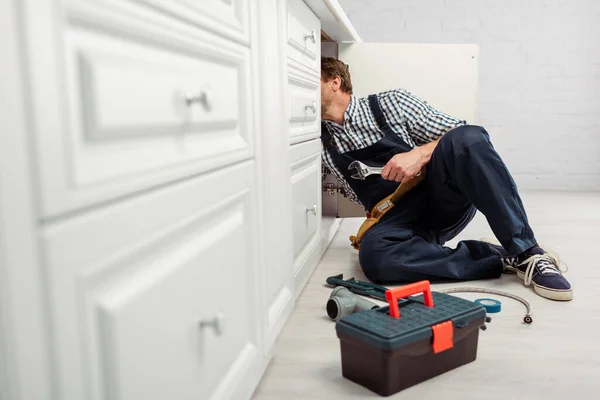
465	174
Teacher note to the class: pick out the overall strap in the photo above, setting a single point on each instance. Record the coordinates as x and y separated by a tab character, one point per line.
327	140
379	117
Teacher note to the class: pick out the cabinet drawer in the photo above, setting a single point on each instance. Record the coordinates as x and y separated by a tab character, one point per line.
141	114
303	35
226	17
304	107
186	311
156	298
306	200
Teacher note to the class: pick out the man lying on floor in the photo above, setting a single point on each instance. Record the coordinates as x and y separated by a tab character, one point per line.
461	173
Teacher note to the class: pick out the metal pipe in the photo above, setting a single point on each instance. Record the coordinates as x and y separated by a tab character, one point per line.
528	319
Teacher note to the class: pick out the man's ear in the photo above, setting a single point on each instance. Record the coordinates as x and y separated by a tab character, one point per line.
336	83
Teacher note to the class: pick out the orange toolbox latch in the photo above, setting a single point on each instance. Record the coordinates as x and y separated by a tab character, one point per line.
443	334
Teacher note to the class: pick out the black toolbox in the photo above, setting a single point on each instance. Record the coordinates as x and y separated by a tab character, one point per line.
409	341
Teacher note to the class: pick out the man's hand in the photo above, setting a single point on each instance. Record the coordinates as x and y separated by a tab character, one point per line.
404	166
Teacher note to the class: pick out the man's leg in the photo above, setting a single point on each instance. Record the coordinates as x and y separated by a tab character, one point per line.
392	252
465	169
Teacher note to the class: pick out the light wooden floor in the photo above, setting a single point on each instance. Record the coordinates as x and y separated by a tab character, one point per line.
557	357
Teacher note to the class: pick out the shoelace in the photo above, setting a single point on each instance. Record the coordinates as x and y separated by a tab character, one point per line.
550	257
547	264
512	261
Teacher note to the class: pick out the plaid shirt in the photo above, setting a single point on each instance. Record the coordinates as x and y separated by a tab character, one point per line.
415	121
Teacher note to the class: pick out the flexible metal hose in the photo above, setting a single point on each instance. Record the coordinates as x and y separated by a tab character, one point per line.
528	319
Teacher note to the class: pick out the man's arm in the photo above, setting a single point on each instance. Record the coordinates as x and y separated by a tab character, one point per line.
426	150
404	166
426	126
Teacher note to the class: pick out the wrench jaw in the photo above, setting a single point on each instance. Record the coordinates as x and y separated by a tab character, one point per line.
361	173
354	165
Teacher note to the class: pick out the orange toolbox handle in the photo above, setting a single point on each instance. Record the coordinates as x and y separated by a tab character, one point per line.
393	295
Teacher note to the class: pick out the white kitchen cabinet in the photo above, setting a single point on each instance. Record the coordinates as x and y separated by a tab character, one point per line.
160	192
303	93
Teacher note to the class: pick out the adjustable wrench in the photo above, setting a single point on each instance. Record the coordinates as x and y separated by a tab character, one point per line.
363	170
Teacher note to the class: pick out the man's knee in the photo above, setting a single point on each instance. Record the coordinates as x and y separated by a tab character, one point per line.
377	256
463	137
371	258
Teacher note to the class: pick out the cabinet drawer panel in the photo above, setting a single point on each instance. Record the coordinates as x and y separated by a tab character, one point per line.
176	327
304	104
133	91
138	297
306	205
227	17
304	35
140	114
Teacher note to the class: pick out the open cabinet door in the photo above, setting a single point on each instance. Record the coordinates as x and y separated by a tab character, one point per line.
444	75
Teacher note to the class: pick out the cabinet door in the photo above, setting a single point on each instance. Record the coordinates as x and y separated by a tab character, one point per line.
444	75
156	297
306	208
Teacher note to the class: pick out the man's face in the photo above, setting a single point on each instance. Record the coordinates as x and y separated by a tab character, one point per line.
327	93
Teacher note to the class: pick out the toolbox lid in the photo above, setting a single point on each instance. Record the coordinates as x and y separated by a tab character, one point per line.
377	328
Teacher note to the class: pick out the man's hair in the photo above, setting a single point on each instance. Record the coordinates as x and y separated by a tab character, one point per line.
331	67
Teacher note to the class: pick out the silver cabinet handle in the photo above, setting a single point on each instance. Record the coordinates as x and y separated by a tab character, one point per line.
217	324
312	106
312	209
201	97
312	36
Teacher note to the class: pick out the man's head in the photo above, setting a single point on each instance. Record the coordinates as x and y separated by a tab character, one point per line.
336	86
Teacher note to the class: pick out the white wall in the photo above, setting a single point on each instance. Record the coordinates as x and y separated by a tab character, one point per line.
539	78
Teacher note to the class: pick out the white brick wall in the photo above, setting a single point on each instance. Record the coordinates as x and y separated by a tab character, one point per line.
539	89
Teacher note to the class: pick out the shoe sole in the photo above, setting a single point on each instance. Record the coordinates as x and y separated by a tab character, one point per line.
552	294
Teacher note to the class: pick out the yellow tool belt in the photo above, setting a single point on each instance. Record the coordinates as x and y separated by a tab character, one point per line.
383	207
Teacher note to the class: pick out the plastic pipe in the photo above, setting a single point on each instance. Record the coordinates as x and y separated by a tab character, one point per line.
343	302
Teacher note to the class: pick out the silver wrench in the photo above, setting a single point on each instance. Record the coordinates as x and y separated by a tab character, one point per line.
363	170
